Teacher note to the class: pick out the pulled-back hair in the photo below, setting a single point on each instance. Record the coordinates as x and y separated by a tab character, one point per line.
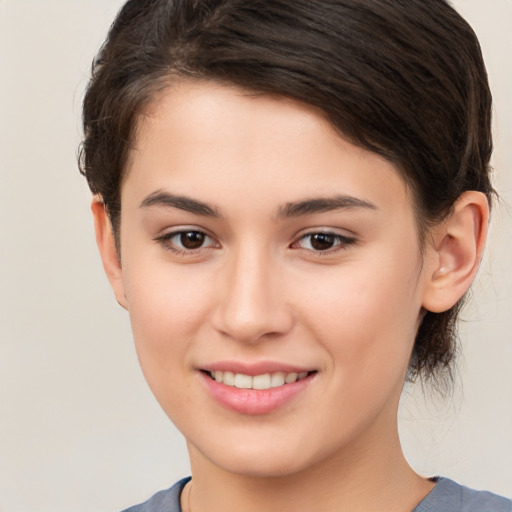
402	78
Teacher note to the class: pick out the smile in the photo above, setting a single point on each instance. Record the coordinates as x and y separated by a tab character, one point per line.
259	393
259	382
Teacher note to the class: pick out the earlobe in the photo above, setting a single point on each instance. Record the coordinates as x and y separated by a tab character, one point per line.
105	240
456	252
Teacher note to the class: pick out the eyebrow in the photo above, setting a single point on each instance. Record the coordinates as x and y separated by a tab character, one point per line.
293	209
322	205
187	204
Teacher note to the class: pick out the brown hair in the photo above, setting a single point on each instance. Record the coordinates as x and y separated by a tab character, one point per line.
403	78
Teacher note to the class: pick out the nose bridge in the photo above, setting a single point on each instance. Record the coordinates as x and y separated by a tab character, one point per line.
252	302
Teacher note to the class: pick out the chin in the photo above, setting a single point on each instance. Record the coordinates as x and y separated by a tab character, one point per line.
262	466
258	459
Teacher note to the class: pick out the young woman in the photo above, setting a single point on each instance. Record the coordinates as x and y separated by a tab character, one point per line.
291	200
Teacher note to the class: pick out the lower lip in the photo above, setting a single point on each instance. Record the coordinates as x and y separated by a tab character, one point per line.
255	401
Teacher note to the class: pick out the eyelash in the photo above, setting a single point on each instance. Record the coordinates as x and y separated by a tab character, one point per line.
341	242
167	243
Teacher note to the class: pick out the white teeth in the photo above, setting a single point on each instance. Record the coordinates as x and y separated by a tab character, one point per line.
243	381
277	379
229	378
261	381
265	381
291	378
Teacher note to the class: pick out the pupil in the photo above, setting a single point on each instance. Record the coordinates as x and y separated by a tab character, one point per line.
192	240
322	241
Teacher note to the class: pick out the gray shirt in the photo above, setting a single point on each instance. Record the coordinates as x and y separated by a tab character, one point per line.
446	496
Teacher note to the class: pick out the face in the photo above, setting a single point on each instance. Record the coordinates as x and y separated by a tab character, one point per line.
273	277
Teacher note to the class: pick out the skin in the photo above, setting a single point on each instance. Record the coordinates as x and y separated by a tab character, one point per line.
258	290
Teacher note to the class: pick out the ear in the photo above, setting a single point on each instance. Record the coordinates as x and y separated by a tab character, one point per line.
454	257
106	244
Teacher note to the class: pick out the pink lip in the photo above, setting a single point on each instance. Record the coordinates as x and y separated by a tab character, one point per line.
253	401
253	369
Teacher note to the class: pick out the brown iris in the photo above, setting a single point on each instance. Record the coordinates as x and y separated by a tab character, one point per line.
322	241
192	239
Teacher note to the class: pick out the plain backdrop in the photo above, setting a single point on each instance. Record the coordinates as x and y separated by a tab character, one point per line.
79	429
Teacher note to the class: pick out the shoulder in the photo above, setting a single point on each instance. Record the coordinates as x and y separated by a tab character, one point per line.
449	496
163	501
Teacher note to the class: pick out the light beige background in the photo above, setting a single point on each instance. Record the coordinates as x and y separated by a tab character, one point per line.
79	430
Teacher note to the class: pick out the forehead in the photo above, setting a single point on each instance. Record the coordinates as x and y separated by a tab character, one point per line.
223	141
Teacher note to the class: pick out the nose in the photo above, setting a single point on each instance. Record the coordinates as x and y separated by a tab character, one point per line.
251	303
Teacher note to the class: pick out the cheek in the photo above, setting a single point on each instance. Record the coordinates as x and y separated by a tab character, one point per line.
167	310
366	315
167	306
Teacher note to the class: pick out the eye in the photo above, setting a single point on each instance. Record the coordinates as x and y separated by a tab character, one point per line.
188	240
323	242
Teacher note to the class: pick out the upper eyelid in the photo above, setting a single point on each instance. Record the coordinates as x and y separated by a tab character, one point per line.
167	236
170	232
326	231
338	236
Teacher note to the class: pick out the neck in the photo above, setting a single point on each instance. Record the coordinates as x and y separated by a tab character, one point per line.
375	477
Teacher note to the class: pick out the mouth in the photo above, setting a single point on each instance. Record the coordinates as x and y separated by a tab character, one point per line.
259	382
250	391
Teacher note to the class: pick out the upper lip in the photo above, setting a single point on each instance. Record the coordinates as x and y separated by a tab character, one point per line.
252	369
